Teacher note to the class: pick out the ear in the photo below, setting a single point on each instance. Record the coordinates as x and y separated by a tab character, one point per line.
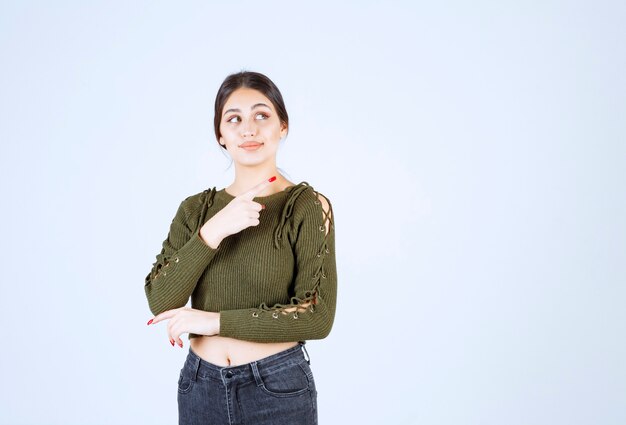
283	130
221	141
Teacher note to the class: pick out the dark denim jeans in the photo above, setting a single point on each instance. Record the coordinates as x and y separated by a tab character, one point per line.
276	390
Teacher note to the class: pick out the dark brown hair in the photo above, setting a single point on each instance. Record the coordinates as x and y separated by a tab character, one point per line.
252	80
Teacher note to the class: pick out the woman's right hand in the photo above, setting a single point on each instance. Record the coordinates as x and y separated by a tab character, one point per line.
240	213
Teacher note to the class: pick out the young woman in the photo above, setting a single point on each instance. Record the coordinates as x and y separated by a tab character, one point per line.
257	259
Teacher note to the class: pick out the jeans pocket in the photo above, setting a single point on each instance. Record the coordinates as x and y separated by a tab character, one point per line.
185	383
288	381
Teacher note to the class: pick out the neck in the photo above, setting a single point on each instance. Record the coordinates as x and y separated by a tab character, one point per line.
248	177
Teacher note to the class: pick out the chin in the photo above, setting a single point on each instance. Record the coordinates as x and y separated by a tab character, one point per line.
251	162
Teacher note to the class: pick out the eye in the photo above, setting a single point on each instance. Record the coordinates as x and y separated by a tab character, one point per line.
231	118
265	116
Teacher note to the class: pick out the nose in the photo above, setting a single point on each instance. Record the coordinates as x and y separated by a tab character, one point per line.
248	128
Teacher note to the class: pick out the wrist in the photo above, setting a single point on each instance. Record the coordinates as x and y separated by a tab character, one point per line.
211	240
210	324
217	323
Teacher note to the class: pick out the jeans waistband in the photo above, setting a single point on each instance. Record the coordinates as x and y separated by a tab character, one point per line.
198	367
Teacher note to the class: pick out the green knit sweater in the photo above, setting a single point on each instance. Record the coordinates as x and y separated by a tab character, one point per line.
255	275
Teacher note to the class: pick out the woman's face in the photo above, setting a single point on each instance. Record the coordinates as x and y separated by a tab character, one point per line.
250	128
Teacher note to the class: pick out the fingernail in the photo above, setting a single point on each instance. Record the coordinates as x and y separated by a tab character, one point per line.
150	321
181	344
172	341
272	179
262	206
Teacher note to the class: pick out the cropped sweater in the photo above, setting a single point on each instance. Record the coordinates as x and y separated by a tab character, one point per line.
274	282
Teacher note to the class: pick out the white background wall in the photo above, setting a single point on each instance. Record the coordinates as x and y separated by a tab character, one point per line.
474	153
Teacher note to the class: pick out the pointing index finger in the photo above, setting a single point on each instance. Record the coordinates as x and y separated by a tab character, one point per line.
250	194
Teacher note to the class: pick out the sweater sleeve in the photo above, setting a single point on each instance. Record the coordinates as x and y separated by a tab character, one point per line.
311	313
178	266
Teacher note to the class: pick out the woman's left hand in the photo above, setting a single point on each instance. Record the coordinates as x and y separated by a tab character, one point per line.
185	319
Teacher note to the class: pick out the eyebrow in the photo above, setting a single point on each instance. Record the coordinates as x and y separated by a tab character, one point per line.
253	106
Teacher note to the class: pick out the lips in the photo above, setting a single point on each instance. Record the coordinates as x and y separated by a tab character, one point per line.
250	144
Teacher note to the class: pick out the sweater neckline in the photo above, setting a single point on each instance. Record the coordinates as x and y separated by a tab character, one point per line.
278	194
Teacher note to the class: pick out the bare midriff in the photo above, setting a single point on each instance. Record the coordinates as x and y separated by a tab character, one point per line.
223	351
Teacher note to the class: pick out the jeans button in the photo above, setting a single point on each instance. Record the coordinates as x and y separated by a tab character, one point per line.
229	374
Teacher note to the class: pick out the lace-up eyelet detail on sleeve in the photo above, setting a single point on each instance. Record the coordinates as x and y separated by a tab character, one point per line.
171	281
306	303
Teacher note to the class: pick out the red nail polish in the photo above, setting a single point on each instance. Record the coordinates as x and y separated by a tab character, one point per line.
272	179
262	206
181	344
172	341
150	321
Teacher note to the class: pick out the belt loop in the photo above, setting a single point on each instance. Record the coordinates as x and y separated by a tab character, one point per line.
257	375
195	367
308	359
